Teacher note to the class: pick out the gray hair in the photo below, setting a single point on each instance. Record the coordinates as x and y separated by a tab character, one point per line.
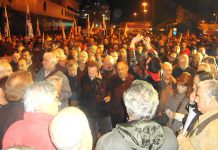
141	100
110	59
181	56
210	88
52	56
167	64
39	95
69	130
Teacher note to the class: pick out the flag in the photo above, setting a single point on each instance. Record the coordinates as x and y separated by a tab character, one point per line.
72	30
63	31
78	30
180	38
187	35
29	28
112	30
38	32
75	26
7	28
104	24
170	34
92	28
43	37
88	25
125	31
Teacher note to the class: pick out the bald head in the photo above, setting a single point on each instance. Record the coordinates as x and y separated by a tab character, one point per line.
49	61
5	69
70	130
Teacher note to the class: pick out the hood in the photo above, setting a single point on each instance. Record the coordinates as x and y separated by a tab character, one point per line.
142	135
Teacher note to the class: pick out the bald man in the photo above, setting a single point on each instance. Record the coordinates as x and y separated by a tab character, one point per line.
69	130
5	69
118	84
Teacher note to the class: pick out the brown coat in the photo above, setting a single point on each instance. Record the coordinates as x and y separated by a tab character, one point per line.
207	139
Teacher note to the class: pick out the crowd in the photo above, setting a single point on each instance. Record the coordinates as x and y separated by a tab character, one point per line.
108	92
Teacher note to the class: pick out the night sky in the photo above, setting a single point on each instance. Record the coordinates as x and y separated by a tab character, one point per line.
122	10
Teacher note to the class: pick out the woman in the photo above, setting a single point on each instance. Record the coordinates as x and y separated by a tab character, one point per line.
176	105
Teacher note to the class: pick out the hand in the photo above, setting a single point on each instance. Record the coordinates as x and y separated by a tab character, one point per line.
137	38
107	99
192	97
171	114
99	75
173	79
146	42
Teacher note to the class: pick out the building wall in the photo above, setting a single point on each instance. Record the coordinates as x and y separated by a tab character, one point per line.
44	7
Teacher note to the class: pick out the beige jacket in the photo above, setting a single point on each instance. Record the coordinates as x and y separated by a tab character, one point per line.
207	139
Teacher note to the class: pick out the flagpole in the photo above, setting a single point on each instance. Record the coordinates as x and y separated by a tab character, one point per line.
7	23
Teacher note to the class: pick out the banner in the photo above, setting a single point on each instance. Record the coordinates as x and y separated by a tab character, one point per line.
29	28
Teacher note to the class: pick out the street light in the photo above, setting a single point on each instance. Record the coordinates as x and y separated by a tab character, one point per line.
145	10
215	15
134	14
144	4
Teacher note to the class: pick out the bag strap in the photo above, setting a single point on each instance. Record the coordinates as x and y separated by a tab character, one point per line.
201	126
51	74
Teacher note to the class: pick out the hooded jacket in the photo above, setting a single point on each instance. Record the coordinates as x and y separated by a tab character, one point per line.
138	135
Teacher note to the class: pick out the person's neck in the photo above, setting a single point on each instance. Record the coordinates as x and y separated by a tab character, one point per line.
123	79
82	66
3	101
167	80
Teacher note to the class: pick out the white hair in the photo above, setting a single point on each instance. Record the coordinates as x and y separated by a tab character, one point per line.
167	64
141	100
204	67
110	59
38	96
69	130
52	57
210	88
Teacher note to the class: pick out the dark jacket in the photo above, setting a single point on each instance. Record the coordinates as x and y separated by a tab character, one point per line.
117	88
10	113
178	71
92	94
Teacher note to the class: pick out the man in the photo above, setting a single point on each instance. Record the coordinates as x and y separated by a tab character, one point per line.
76	134
183	66
14	91
71	74
26	55
14	62
167	86
118	84
82	68
22	65
92	94
49	69
185	49
172	58
140	133
196	60
40	105
204	134
5	69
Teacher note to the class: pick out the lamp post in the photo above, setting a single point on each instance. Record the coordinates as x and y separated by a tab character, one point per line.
215	15
144	4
